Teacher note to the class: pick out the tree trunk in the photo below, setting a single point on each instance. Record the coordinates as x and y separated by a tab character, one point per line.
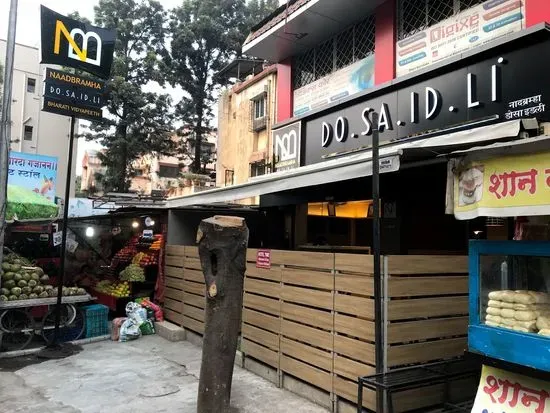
222	250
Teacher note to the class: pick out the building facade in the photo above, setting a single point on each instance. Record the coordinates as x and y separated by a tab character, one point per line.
34	131
246	112
91	168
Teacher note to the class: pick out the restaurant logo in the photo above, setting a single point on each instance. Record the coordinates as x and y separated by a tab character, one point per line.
286	146
68	42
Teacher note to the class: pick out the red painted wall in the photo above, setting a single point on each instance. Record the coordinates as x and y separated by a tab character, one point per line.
284	90
384	46
537	11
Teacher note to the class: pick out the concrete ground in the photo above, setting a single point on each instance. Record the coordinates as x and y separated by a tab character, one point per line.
146	375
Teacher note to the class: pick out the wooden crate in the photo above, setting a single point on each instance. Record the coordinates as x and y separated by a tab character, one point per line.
194	299
173	271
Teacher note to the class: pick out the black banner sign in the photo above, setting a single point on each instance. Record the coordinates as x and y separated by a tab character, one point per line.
61	107
502	85
76	90
68	42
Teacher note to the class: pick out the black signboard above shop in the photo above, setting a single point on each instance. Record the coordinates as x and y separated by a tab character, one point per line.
504	83
68	42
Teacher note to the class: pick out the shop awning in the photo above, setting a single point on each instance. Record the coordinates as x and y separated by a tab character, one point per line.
355	165
341	169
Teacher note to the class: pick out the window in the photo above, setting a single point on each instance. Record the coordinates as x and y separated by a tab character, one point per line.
258	168
258	112
353	44
229	177
166	171
31	85
28	133
417	15
259	108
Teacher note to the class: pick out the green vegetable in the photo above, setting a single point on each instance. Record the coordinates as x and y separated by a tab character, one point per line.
8	276
23	297
16	291
32	283
3	297
9	284
33	295
17	277
27	276
4	291
38	289
12	298
22	283
43	294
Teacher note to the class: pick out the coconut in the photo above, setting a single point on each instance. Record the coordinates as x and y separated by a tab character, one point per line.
48	287
38	289
39	271
17	277
81	291
3	297
16	291
16	267
44	294
8	276
35	277
27	276
26	290
6	266
4	291
51	292
22	283
44	279
9	284
33	295
12	298
23	297
32	283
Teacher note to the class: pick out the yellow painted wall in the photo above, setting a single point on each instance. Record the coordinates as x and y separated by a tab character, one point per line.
236	141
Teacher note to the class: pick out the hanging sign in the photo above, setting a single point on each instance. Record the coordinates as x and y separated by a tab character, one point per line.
505	392
502	187
57	238
68	42
263	259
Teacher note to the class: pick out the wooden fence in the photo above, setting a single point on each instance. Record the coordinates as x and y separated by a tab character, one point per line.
311	315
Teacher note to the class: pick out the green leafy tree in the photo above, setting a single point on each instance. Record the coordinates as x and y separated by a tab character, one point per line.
138	122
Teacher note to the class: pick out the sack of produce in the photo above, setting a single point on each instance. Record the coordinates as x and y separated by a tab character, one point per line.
129	330
115	330
159	316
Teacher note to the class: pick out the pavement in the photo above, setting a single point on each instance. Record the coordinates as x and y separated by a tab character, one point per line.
150	374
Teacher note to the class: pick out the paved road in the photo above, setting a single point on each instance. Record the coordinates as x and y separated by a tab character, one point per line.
142	376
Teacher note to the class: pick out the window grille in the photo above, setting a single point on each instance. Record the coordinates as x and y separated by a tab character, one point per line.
417	15
352	44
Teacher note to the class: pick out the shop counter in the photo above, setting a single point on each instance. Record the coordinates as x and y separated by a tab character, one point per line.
346	249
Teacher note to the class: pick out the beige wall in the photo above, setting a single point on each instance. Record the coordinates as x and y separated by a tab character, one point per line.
236	142
50	132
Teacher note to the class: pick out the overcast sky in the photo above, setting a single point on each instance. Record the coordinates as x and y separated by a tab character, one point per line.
28	33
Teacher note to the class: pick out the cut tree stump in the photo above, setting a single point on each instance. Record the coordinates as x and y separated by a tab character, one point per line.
222	249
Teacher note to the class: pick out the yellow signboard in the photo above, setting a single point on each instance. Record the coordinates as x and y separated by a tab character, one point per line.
503	187
501	391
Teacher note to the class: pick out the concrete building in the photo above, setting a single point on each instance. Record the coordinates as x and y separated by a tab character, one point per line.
246	112
34	131
91	166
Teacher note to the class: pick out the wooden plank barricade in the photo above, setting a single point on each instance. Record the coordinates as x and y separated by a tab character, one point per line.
310	317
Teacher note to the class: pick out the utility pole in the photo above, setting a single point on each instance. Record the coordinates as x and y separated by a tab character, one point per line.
5	121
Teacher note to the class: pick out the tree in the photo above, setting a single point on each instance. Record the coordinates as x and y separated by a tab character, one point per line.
138	122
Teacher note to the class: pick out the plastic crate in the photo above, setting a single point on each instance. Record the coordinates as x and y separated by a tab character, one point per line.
97	320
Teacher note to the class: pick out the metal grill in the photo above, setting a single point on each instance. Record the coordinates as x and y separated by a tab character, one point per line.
344	48
417	15
364	38
324	59
353	44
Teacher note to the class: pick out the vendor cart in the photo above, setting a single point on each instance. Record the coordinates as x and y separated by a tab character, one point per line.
18	325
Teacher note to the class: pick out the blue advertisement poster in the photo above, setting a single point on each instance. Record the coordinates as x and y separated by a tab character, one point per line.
31	186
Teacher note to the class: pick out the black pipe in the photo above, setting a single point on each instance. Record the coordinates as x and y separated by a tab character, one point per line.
64	228
378	322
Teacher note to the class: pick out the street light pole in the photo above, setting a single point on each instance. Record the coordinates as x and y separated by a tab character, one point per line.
5	121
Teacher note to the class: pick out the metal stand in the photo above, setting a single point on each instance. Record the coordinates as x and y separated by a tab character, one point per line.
64	227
